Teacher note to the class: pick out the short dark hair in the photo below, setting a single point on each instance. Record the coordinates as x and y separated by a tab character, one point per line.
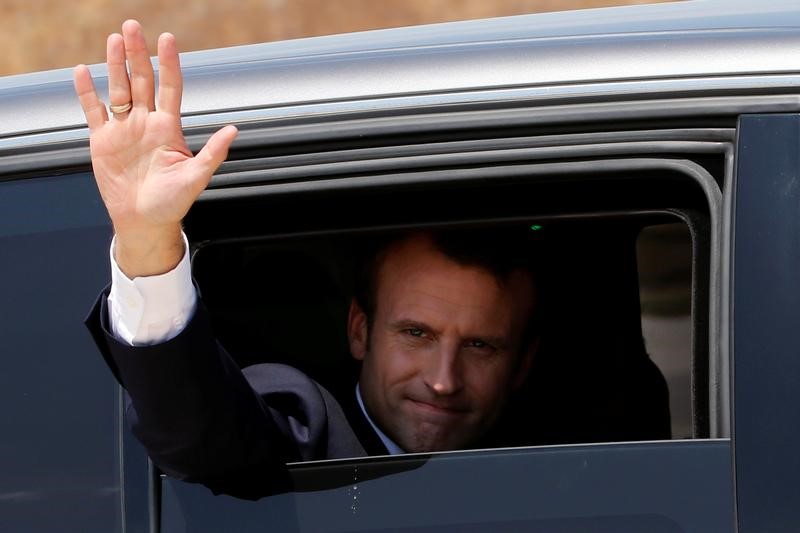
501	251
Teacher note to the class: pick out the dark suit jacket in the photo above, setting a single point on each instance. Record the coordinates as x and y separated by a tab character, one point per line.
204	420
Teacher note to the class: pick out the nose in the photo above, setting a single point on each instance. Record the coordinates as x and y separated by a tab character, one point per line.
443	373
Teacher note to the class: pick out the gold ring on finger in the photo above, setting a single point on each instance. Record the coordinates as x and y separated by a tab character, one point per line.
118	109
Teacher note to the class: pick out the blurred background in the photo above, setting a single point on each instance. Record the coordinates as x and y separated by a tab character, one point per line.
46	34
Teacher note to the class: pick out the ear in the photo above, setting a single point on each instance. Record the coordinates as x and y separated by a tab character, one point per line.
357	332
525	363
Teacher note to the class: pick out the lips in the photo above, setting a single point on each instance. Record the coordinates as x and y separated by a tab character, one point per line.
438	408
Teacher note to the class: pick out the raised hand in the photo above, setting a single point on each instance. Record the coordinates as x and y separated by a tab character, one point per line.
147	176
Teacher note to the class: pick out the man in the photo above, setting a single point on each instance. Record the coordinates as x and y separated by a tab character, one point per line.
443	332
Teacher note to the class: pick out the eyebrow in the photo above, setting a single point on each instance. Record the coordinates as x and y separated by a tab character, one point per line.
405	323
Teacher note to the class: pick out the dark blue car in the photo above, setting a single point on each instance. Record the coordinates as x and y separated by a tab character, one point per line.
653	148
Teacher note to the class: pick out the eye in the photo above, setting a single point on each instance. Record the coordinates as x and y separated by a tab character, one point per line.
480	344
414	332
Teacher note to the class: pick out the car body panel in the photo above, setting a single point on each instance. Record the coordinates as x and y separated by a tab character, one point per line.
59	453
563	489
766	305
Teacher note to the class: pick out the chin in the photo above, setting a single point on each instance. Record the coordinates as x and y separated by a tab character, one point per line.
426	443
428	448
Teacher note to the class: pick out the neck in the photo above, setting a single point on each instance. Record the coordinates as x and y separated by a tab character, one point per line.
391	446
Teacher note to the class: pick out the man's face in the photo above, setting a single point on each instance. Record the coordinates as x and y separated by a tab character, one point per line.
444	351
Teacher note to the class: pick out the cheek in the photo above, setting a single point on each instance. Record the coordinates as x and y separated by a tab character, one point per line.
489	384
391	362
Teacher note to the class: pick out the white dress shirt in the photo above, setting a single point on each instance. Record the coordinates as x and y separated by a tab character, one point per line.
152	309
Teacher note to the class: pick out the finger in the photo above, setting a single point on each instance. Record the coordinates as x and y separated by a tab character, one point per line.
119	87
142	89
213	154
170	80
93	108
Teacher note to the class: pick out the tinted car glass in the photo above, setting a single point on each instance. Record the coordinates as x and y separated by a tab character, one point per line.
664	258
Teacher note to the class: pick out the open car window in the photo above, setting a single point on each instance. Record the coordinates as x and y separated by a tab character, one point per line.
593	378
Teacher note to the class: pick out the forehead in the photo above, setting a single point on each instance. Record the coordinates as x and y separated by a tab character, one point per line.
415	275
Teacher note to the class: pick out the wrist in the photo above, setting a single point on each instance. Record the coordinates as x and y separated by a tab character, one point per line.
153	251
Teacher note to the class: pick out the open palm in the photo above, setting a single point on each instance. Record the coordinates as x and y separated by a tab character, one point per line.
146	174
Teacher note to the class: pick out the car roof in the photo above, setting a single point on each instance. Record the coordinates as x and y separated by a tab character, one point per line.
578	52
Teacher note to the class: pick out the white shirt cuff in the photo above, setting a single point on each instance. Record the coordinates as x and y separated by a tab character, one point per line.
152	309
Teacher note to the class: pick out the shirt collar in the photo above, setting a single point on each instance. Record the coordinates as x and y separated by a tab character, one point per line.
391	446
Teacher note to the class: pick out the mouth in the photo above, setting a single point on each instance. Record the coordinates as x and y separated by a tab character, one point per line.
438	409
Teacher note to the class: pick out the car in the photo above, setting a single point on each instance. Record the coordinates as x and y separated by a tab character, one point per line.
653	150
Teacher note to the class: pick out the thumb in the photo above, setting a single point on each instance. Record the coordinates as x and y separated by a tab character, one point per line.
208	160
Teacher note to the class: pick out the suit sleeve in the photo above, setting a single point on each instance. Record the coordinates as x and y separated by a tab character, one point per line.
200	418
